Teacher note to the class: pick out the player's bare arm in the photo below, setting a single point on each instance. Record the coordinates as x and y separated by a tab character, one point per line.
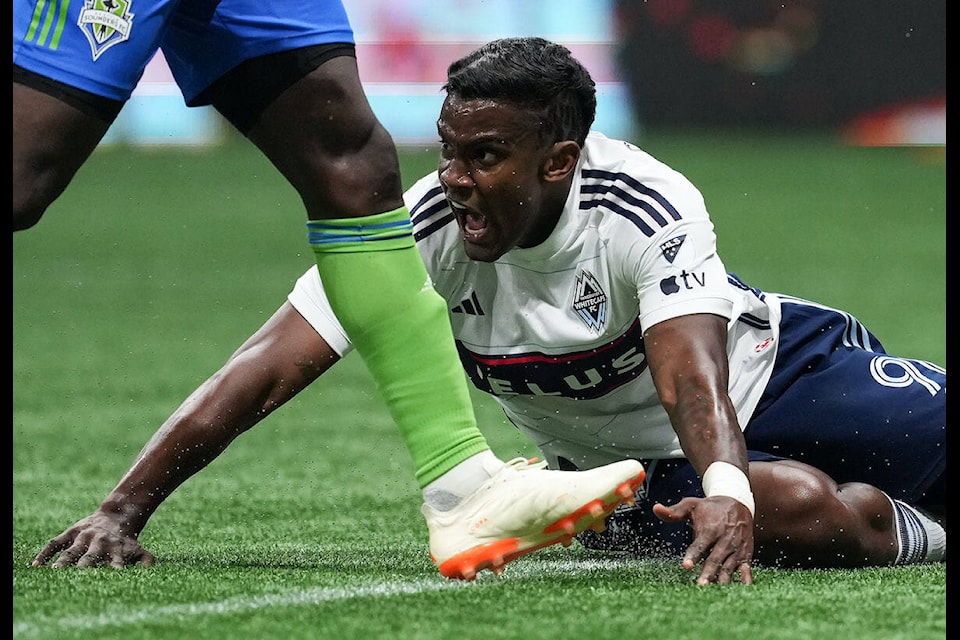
284	356
688	362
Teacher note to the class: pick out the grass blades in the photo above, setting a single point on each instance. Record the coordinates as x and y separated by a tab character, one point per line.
156	264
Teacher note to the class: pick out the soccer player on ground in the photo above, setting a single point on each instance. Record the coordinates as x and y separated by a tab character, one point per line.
587	297
286	77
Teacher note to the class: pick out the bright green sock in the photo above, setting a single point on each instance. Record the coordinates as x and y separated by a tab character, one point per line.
378	286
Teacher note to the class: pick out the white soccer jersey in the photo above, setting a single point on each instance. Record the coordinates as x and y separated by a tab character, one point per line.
554	332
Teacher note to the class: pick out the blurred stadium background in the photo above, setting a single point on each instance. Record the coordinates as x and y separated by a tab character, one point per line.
872	70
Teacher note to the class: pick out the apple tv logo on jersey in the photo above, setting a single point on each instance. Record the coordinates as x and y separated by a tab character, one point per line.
685	280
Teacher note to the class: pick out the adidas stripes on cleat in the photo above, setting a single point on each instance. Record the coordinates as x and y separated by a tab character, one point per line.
524	507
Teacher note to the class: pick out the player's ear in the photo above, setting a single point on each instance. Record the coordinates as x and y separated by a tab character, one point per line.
561	161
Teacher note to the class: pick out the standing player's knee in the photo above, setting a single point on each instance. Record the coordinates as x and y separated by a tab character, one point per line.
30	201
25	217
364	182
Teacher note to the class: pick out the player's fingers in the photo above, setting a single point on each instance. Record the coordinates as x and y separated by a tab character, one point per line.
725	576
712	571
729	569
133	554
146	559
720	569
696	552
674	513
77	549
69	557
719	564
88	560
54	546
664	513
98	553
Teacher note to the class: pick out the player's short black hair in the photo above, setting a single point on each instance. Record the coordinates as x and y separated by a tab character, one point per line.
532	73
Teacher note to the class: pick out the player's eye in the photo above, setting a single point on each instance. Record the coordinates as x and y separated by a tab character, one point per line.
486	157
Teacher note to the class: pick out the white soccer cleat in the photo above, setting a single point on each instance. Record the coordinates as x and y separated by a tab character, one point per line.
524	507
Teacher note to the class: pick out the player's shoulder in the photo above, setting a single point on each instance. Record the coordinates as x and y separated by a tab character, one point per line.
624	159
620	177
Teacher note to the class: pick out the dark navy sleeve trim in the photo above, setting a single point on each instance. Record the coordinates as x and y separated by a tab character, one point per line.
606	188
428	214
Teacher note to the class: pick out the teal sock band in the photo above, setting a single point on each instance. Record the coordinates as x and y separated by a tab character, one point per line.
380	232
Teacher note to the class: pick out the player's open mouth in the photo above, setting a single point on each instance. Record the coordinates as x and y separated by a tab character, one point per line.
473	223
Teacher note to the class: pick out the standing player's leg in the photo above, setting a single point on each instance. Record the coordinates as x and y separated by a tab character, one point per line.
312	120
321	133
70	79
52	139
371	269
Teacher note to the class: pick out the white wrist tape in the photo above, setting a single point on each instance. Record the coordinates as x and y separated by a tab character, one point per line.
724	479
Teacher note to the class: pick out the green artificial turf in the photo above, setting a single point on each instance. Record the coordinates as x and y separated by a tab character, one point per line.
156	264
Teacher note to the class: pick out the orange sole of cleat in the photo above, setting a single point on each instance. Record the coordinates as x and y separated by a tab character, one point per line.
596	509
466	565
496	555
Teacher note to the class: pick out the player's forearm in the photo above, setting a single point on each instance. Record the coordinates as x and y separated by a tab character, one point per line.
272	366
705	421
713	443
173	455
688	362
710	438
222	408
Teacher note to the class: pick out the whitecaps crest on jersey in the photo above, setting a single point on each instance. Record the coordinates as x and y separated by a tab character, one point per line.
589	300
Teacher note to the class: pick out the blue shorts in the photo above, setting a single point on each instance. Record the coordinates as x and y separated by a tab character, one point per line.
88	46
835	401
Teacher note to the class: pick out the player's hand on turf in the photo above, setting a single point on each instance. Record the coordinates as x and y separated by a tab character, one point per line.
95	541
722	537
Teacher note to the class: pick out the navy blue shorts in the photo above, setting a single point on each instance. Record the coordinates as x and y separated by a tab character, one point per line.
835	401
103	46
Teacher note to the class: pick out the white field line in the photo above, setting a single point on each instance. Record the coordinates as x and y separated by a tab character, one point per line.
183	612
49	626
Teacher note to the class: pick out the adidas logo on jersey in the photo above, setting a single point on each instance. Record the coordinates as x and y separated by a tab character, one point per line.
470	306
